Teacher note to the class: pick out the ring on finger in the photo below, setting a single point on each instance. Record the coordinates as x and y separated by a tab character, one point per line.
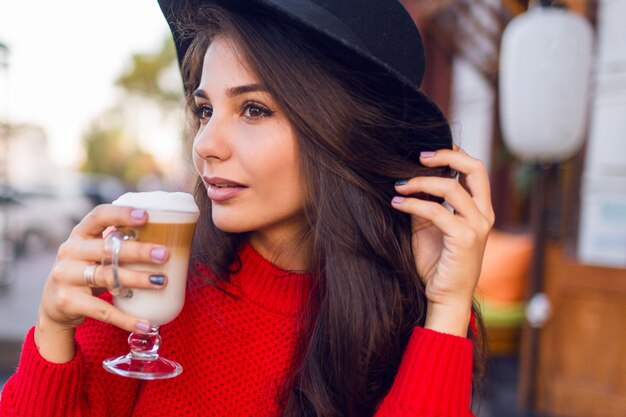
89	274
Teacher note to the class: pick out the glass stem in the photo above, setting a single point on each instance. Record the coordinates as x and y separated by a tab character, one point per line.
145	346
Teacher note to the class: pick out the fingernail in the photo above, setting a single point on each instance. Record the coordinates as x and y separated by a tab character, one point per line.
158	254
427	154
157	279
142	326
137	214
402	182
397	200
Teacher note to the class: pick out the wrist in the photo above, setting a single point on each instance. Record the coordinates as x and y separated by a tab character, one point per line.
54	342
450	319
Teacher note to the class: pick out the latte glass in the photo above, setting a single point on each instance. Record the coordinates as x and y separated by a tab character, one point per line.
172	219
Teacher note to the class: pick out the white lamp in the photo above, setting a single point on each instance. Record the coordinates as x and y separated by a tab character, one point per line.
545	67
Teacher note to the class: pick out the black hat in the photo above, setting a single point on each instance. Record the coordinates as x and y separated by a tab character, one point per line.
376	36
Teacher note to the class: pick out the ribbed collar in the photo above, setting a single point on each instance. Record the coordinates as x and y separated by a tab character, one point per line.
269	286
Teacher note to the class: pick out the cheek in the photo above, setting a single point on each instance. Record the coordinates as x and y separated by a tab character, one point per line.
286	187
275	164
198	162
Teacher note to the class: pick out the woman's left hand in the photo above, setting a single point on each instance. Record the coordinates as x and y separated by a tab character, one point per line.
448	246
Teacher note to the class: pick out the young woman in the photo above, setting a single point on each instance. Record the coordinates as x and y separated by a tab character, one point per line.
327	279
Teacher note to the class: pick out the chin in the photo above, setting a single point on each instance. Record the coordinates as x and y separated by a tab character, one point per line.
229	224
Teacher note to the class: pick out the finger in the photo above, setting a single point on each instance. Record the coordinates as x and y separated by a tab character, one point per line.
73	273
86	305
480	166
108	231
91	250
450	190
451	225
473	170
105	215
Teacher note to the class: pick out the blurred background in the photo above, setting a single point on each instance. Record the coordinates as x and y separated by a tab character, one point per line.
91	107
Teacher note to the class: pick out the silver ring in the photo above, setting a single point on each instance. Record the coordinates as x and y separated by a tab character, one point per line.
89	274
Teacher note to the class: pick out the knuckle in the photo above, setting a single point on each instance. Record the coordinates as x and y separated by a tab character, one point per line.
58	272
489	222
63	300
451	186
483	229
65	249
104	276
486	226
469	237
479	166
105	314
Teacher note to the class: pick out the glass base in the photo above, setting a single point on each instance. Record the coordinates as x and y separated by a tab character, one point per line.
148	369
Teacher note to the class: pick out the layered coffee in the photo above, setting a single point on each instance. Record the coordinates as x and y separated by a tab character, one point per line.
171	222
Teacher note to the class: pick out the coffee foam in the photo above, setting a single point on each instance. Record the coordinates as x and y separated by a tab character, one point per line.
159	200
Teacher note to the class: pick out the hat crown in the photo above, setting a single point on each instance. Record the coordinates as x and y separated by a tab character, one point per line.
382	28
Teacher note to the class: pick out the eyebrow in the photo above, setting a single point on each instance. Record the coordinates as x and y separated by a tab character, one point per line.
233	91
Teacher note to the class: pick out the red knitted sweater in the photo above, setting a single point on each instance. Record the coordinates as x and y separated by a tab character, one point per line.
236	354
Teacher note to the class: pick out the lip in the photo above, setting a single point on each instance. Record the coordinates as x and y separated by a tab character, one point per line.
224	193
220	180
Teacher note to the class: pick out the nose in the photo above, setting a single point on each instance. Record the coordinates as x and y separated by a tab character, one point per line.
211	141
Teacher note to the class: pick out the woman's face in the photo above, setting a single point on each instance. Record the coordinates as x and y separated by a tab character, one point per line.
245	151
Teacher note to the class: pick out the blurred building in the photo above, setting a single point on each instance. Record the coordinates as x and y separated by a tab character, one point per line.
28	166
27	162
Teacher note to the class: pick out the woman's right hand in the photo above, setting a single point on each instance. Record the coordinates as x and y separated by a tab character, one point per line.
68	299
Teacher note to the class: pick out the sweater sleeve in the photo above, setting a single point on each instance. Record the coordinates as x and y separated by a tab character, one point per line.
42	388
78	388
434	378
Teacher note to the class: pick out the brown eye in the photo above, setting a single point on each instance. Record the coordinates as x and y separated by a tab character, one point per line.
256	111
206	112
203	112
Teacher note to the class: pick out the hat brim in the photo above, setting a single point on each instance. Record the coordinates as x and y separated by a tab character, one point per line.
392	85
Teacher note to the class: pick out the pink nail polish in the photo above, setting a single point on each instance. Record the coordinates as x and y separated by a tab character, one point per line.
137	214
158	254
397	200
142	326
427	154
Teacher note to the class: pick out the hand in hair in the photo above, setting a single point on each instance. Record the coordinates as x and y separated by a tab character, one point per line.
448	246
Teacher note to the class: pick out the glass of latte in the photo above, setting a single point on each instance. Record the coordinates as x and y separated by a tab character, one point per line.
171	222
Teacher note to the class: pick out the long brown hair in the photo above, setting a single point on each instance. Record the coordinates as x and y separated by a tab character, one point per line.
368	296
